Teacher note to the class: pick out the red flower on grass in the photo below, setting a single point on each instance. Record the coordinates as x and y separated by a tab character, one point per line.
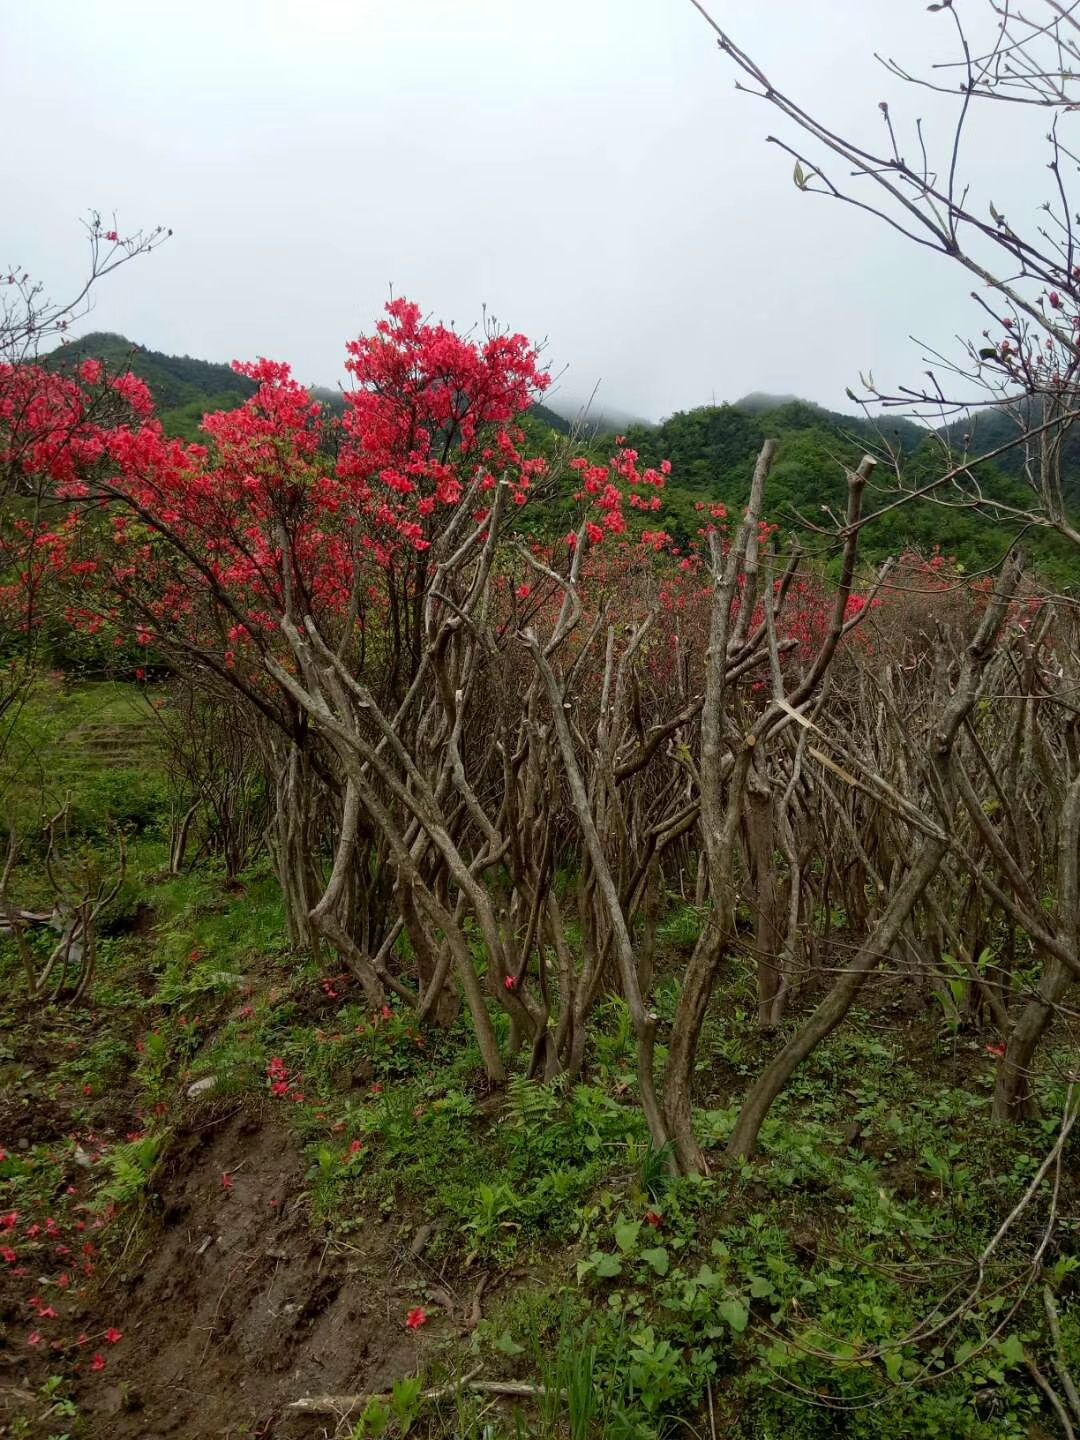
416	1318
98	1362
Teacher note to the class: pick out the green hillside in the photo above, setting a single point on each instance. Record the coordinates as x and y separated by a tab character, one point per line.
184	389
712	450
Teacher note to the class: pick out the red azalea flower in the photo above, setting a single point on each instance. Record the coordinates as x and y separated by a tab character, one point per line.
114	1336
416	1318
34	1338
998	1051
98	1362
654	1218
510	982
226	1181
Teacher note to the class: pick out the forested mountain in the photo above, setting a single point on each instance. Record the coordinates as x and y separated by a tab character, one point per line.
992	429
712	449
551	419
184	388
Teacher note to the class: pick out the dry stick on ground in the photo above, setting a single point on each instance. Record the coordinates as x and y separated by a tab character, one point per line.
342	1406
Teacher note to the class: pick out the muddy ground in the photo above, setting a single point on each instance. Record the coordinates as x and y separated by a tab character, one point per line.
230	1309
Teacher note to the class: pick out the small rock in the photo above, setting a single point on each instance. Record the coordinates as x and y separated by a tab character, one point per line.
200	1087
83	1157
421	1239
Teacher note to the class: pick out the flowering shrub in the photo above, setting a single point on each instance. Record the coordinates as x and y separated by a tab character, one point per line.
446	714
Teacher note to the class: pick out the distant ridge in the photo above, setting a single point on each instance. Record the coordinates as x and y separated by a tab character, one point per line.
175	380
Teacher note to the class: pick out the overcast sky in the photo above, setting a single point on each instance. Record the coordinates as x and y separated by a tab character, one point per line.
582	167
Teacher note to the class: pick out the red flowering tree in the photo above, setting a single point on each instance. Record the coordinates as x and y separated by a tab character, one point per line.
211	552
44	421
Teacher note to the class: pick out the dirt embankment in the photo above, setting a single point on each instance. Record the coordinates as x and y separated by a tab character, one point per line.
230	1307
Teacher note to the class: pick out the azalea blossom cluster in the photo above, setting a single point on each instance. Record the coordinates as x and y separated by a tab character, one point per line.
281	500
609	487
284	1084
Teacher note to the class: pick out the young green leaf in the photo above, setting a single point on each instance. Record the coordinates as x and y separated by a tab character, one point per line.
657	1258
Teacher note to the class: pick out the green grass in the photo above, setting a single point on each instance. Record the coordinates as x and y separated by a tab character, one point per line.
789	1297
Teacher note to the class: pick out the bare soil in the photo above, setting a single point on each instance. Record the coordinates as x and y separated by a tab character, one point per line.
229	1306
